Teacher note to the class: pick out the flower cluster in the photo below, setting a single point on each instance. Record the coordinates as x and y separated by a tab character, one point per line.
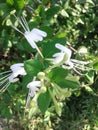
62	58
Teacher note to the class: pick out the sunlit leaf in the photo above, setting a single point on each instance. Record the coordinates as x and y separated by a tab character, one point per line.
58	74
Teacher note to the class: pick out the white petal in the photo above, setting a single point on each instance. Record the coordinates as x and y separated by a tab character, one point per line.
58	57
63	49
12	79
34	84
35	37
30	40
16	66
33	91
60	54
39	32
33	87
20	71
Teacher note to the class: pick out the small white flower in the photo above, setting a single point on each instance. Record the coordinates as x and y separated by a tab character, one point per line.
33	88
32	36
11	75
72	63
58	57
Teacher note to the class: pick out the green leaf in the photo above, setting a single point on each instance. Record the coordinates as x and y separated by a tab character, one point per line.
27	46
44	101
3	10
19	4
90	77
48	30
69	83
32	67
49	48
96	65
61	40
45	1
26	79
58	74
10	2
52	11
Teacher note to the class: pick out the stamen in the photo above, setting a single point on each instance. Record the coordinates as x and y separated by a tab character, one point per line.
39	51
78	72
5	76
25	23
5	72
81	67
19	20
5	87
17	29
80	62
2	82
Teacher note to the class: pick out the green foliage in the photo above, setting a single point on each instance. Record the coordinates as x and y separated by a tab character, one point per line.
72	96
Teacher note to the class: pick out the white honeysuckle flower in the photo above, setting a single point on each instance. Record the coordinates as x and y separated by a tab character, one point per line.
72	63
33	88
11	76
32	36
58	57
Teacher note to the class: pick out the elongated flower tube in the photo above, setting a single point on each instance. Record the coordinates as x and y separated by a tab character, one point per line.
32	36
72	63
11	76
33	88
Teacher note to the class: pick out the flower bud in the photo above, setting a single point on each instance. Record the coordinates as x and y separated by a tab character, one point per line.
41	75
43	89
